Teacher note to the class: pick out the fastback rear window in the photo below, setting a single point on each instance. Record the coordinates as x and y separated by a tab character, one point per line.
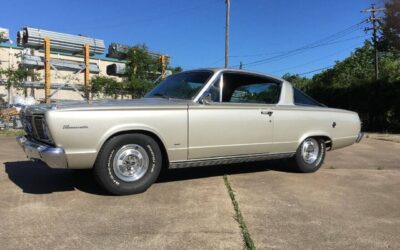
302	99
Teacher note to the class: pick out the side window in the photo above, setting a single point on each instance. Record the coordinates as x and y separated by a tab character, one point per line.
256	93
302	99
247	88
215	90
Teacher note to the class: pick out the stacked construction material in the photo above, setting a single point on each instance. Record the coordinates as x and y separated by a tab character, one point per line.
37	62
34	38
120	51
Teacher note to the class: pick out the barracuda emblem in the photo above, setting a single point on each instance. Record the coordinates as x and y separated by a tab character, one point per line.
74	127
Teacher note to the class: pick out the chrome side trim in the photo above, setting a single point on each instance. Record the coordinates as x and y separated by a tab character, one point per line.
229	160
52	156
359	137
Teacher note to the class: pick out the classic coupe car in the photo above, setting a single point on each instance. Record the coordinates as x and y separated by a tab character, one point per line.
194	118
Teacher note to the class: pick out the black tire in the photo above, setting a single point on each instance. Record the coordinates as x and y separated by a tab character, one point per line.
299	162
105	170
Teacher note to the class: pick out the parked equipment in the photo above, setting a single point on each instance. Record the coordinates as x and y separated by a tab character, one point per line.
34	38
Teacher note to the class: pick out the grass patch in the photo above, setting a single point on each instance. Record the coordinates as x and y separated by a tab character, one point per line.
249	244
11	132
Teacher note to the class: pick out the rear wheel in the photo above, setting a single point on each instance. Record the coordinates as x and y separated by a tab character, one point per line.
128	164
310	155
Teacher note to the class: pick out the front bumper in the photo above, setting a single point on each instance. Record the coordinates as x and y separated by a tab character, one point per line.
359	137
54	157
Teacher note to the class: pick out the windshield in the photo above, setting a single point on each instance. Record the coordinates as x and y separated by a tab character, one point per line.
184	85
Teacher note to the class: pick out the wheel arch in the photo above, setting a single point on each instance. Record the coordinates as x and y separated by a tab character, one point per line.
149	133
324	136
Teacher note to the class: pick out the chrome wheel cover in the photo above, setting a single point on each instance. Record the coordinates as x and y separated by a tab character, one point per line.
130	162
310	150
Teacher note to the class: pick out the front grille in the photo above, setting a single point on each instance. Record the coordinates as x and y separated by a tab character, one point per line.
35	127
39	128
27	123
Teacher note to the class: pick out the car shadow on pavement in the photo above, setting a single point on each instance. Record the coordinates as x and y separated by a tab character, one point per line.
37	178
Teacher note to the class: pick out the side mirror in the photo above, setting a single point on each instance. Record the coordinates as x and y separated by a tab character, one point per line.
206	99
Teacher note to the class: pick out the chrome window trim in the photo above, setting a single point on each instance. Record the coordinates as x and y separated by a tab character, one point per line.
221	73
207	86
221	86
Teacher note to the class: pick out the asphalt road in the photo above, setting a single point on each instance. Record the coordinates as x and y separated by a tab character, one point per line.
353	202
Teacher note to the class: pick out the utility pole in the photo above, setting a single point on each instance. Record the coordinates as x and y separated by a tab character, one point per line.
87	72
375	26
163	63
228	6
47	79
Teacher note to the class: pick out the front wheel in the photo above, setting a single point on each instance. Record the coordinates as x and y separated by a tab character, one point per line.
309	155
128	164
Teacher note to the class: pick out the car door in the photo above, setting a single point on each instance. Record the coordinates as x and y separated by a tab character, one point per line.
235	123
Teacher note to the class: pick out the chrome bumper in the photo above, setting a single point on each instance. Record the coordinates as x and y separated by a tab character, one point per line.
360	136
52	156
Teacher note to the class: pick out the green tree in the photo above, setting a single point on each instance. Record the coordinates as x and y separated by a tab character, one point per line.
390	67
14	78
358	68
142	71
350	85
175	69
106	86
355	69
298	81
390	40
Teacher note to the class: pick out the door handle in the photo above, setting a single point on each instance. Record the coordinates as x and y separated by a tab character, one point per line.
266	112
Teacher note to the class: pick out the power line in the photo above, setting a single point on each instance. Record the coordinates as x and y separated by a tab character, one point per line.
321	42
296	51
315	70
315	60
281	52
286	51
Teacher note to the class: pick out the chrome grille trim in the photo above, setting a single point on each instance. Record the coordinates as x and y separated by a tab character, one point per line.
33	126
40	134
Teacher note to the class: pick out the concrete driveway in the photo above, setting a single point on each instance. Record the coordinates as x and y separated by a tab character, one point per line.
353	202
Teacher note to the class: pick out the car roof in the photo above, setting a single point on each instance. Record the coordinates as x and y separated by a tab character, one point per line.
218	70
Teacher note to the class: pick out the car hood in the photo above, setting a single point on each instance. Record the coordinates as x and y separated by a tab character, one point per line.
144	103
